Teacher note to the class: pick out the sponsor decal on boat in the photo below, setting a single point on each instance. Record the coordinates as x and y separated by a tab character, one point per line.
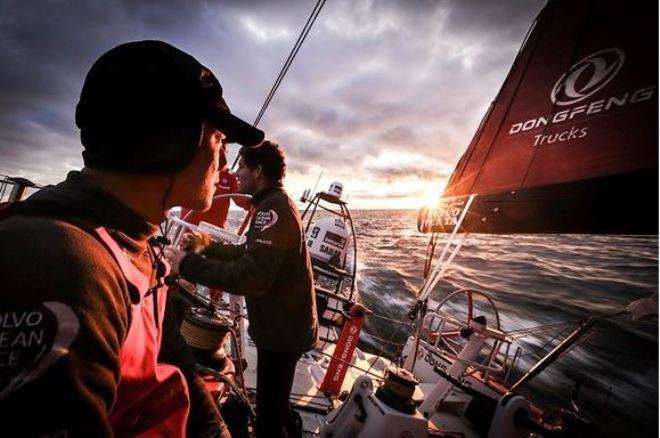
329	250
342	355
334	239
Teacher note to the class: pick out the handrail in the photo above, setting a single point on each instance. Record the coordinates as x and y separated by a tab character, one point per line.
18	187
329	293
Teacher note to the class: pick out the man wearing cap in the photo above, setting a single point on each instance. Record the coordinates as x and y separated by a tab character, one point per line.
83	340
273	271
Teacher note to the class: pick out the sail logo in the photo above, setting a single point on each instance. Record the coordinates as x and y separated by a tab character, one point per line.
587	76
582	80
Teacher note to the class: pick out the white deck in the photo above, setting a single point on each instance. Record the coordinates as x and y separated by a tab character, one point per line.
307	398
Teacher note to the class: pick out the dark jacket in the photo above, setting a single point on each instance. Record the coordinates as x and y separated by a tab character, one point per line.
272	270
48	255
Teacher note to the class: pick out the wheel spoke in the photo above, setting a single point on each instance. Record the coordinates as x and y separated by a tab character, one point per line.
469	308
450	334
448	319
446	337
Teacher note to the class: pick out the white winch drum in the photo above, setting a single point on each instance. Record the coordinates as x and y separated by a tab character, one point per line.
328	241
336	189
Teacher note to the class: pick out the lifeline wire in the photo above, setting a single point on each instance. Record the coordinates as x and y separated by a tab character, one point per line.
390	341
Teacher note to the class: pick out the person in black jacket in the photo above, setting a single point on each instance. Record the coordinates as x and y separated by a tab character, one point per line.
273	271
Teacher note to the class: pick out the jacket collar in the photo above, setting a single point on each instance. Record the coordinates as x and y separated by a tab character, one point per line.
265	192
85	200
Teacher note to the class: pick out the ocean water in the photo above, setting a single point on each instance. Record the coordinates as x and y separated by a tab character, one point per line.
533	280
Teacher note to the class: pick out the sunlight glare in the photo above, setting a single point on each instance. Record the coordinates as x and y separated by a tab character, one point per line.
429	197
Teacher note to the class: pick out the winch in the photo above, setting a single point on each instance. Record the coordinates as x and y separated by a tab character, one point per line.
204	329
398	389
389	412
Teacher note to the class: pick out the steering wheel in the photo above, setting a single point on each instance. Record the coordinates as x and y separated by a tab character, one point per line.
447	329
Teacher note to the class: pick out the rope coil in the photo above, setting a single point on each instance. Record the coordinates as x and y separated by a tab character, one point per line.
203	329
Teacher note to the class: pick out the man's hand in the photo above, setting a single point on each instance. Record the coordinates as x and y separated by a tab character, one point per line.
195	242
187	286
174	257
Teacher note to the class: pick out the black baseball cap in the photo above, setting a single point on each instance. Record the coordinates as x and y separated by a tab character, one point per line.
142	105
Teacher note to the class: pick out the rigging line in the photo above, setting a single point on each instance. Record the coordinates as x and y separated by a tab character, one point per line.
439	273
292	55
350	365
381	351
301	38
521	333
387	318
398	344
276	86
285	68
434	277
541	348
289	58
430	251
579	342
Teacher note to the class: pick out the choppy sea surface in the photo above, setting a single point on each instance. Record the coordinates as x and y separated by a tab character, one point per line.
534	280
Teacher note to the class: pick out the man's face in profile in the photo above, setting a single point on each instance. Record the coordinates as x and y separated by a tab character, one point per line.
247	177
196	183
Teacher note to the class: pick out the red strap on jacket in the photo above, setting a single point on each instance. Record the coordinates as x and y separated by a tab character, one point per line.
152	398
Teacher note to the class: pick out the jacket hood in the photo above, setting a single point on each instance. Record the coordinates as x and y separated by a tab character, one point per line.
78	197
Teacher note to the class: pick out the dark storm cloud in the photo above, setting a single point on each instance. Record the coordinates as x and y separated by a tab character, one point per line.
404	75
47	48
371	77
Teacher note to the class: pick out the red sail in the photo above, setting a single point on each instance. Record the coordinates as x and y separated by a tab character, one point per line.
572	134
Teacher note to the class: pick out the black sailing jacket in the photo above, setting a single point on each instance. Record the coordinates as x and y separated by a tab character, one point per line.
272	270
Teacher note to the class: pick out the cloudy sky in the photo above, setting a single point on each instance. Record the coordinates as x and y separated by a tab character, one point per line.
384	96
